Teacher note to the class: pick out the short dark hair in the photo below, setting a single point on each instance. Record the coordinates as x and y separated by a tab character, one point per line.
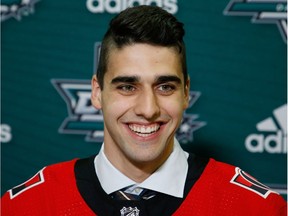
142	24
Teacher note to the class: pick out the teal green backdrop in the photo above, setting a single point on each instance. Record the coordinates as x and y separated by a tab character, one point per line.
237	61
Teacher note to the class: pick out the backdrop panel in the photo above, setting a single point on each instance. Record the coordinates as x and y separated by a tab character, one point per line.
237	61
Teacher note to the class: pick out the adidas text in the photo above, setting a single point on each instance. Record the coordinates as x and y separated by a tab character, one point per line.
273	143
116	6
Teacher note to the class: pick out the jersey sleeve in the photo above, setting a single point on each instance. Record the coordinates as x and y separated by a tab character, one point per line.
250	195
51	191
225	190
28	197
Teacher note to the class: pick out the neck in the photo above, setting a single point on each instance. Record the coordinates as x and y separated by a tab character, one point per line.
137	171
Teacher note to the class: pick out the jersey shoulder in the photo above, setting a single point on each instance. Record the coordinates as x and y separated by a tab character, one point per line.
237	179
228	190
49	176
45	186
242	190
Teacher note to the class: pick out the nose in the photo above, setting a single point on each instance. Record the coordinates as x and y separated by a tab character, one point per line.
147	105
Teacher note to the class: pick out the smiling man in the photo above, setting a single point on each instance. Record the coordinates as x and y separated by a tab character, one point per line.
142	88
143	96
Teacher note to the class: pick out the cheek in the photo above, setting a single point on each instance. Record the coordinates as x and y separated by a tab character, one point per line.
174	109
114	107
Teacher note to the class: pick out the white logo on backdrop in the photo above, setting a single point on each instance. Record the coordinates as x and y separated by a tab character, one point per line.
273	134
116	6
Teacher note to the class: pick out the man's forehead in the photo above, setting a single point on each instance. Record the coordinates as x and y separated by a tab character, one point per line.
140	64
134	47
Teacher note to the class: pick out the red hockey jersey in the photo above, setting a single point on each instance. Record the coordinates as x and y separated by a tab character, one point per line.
72	188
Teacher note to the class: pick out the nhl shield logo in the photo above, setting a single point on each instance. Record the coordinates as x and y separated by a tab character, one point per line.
129	211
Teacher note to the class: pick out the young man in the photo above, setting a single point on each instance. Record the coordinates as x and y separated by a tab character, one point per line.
142	87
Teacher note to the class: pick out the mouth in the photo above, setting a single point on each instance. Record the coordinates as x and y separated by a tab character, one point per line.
144	130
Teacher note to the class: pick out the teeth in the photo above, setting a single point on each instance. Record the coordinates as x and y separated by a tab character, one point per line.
144	130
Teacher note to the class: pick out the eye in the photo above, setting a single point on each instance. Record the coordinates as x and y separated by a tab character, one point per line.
126	88
166	89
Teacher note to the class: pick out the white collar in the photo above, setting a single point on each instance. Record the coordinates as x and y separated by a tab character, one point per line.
169	178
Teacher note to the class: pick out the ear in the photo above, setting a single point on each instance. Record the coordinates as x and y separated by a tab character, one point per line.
96	93
186	93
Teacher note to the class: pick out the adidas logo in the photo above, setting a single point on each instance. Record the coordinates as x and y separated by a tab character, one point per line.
273	136
116	6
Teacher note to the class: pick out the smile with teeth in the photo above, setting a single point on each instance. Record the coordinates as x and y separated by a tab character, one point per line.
144	130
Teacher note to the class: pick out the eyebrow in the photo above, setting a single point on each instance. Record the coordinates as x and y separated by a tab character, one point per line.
135	79
125	79
168	78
